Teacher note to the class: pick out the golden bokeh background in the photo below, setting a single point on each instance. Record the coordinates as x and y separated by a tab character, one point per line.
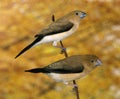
99	34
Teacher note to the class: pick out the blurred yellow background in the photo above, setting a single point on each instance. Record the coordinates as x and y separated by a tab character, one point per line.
99	34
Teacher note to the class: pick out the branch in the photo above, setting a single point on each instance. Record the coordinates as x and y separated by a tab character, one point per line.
66	55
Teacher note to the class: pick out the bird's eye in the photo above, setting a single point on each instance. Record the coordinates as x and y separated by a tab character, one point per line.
76	13
92	61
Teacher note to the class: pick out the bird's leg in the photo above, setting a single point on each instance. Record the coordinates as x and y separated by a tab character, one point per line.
55	43
74	85
63	49
69	84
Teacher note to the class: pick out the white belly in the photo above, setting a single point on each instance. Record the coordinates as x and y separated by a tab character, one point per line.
57	37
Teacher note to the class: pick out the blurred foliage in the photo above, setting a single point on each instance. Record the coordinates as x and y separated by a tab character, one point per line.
99	34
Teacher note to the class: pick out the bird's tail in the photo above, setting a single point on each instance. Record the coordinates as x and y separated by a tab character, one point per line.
25	49
37	70
34	43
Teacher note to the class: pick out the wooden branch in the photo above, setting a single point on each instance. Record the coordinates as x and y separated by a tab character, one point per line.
74	82
66	55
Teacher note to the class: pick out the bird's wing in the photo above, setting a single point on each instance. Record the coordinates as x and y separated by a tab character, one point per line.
65	67
61	69
72	64
55	28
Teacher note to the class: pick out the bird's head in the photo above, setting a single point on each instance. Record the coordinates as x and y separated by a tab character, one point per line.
75	16
80	14
95	61
91	61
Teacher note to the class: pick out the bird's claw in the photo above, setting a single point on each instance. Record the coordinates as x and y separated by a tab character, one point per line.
74	87
63	49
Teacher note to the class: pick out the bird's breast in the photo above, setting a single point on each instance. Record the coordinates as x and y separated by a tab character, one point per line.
66	77
59	36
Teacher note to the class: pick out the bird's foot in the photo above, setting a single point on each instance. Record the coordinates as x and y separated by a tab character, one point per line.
63	49
75	86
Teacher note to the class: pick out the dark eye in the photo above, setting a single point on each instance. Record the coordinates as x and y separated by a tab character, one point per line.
92	61
76	13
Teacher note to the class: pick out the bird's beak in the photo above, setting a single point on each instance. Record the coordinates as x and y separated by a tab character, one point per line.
83	15
98	63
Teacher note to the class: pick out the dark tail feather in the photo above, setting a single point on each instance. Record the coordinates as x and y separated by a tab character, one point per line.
37	70
30	45
25	49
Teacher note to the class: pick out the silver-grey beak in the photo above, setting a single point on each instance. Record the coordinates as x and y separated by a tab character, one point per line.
83	15
98	63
